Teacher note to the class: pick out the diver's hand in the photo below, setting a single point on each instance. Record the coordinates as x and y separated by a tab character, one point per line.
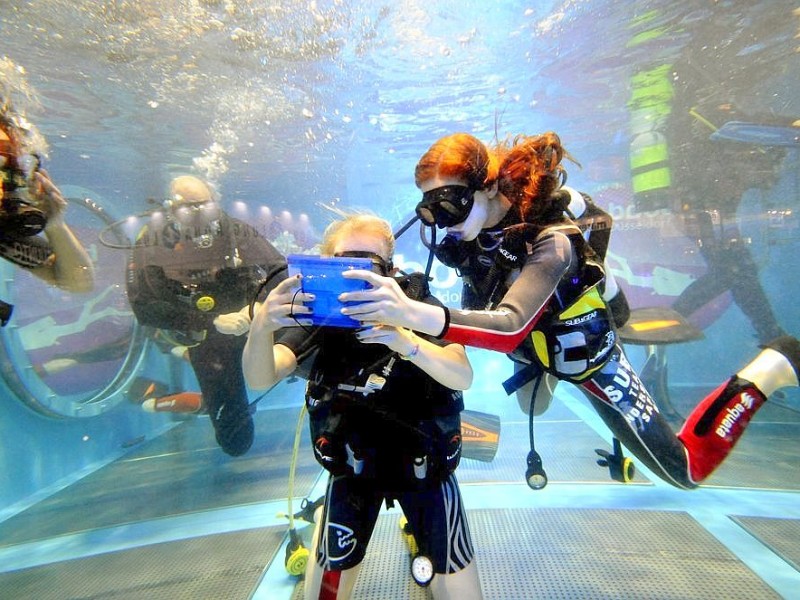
401	340
234	323
283	307
49	197
385	303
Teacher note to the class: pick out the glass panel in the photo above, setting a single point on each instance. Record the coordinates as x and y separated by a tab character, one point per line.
66	354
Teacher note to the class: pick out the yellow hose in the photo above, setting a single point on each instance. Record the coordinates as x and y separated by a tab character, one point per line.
293	464
702	119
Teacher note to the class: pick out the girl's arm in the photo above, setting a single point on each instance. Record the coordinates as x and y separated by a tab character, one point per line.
501	329
72	269
446	364
265	363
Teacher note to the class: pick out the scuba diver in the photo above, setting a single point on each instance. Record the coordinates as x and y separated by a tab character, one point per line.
33	230
384	408
192	272
709	202
540	285
682	104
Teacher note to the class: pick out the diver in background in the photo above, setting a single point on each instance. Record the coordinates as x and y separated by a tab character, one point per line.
709	201
193	271
31	204
677	104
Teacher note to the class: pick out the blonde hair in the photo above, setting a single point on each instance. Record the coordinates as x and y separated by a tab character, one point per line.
362	223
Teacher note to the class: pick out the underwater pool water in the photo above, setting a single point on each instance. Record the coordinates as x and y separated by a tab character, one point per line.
297	111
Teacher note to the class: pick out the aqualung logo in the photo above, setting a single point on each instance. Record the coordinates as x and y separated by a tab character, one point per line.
321	448
344	541
610	341
733	414
455	443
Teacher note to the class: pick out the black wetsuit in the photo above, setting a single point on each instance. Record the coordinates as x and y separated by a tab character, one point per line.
181	279
385	430
534	294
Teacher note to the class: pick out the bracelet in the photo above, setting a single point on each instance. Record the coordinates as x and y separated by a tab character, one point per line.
410	355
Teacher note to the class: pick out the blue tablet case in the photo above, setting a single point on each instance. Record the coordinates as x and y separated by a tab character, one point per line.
322	276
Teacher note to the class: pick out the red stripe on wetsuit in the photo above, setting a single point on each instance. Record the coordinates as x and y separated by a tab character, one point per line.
488	338
329	589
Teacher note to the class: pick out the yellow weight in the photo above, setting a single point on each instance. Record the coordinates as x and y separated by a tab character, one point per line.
205	303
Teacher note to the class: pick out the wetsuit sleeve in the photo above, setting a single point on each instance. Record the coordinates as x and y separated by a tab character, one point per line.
302	341
504	328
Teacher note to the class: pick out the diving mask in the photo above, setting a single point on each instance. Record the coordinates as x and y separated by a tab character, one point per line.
380	265
446	206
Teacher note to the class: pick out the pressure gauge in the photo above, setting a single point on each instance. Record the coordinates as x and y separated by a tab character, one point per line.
422	570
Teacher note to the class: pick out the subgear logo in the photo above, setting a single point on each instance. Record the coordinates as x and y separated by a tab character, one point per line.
733	414
581	319
507	255
345	542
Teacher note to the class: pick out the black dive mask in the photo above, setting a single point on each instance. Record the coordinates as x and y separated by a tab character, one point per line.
446	206
379	264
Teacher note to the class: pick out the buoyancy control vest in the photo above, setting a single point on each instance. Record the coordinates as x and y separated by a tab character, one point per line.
374	415
575	335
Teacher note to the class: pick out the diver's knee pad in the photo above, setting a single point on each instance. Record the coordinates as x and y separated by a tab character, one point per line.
234	428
